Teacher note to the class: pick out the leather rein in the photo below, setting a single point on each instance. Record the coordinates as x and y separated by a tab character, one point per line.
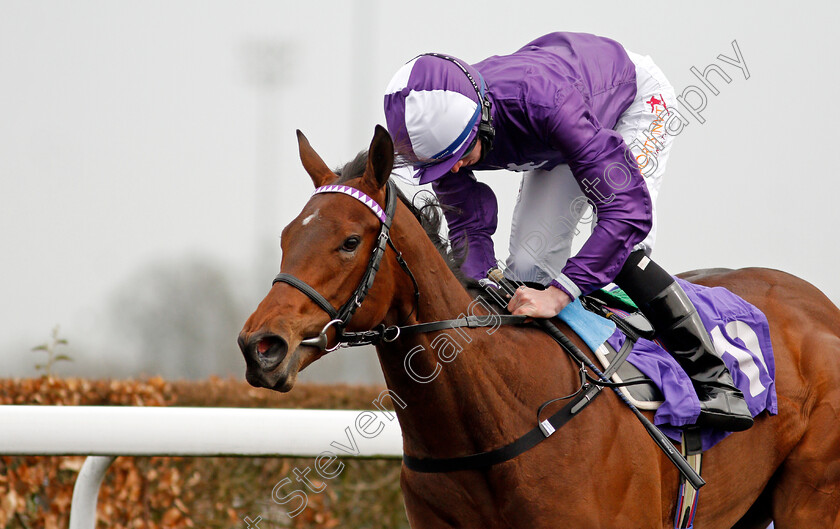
339	319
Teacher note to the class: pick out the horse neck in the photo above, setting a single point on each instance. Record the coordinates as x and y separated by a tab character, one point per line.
485	376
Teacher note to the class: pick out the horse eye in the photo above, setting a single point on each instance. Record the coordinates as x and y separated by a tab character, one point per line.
351	243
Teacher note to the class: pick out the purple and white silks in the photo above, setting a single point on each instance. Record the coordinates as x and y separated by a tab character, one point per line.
556	101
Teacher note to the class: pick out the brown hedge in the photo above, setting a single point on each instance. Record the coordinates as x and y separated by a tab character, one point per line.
179	492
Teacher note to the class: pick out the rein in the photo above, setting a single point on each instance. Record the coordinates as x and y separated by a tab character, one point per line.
341	317
581	398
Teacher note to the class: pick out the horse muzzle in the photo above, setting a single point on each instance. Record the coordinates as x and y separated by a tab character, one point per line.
266	358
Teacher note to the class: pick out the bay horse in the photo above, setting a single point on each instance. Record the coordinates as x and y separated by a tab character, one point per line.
600	470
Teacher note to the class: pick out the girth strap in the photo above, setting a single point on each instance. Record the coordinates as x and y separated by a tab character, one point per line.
524	443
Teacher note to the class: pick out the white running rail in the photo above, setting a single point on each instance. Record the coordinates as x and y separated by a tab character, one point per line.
104	432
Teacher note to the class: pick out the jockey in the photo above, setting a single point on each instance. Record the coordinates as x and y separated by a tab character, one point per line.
567	110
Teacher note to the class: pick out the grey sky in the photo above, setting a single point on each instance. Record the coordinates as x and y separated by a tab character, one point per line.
130	132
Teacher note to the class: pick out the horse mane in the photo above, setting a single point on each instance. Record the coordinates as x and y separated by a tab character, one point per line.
429	214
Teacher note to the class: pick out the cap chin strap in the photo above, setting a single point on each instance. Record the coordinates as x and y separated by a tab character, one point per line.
486	131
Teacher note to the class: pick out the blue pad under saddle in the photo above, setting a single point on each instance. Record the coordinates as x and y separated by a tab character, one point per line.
592	329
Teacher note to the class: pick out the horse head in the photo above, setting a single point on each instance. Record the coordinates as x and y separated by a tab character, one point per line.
327	248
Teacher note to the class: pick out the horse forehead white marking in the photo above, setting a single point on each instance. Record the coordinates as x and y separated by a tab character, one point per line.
310	217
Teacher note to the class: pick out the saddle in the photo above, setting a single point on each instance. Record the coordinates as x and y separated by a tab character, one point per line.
741	338
618	308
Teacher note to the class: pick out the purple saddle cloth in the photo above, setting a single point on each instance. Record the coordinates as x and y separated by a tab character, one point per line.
741	336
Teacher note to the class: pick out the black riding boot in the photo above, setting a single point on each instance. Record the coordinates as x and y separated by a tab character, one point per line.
679	328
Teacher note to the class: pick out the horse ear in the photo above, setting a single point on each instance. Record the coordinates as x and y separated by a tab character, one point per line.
380	158
314	165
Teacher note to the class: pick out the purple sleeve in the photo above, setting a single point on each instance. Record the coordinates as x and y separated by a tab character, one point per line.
608	175
471	214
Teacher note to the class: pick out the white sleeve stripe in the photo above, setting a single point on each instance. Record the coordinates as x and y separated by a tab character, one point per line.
568	285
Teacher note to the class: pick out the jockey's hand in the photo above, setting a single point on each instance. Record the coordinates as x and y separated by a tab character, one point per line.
538	303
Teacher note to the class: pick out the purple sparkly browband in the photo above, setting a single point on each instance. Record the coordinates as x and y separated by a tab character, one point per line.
358	195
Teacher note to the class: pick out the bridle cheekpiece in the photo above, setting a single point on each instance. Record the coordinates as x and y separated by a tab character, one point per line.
340	318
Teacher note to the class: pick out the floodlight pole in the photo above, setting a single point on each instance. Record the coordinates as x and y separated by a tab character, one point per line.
267	65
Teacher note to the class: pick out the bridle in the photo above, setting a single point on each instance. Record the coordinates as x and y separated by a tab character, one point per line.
339	319
580	399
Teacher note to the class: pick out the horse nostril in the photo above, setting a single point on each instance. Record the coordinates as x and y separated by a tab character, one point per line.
265	344
269	350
